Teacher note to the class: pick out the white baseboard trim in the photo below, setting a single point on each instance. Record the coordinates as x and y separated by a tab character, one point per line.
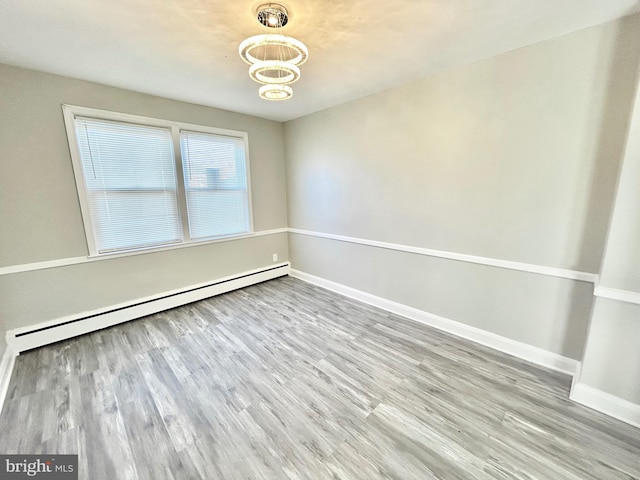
6	369
521	350
604	402
27	338
615	294
461	257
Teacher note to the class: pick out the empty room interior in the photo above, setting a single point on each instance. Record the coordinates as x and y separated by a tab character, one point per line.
320	240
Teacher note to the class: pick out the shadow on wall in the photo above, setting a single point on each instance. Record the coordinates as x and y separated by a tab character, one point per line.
621	83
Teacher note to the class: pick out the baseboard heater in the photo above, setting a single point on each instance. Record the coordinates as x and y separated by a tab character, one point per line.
23	339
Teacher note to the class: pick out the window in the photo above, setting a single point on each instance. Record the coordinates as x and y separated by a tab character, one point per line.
215	180
138	191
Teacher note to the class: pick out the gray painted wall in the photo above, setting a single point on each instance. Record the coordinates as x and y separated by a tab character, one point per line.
515	157
3	344
40	211
621	269
546	312
612	356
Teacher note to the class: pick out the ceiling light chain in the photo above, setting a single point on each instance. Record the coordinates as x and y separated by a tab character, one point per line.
273	58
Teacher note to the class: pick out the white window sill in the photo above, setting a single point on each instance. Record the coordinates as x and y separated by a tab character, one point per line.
164	248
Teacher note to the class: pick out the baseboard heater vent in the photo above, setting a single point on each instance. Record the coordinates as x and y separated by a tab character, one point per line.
28	338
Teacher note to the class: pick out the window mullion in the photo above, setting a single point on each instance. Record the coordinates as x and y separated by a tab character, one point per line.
182	197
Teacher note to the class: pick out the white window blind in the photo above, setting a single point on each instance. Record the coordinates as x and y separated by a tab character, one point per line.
130	184
215	180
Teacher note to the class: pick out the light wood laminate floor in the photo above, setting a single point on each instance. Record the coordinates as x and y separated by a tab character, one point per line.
284	380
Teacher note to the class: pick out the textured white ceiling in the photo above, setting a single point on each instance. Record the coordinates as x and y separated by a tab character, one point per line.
187	49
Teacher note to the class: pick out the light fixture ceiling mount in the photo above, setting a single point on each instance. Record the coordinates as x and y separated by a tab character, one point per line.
273	15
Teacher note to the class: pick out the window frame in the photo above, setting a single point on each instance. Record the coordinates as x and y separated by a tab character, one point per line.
70	112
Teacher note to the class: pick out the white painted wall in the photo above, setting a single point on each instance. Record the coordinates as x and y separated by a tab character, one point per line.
40	211
515	158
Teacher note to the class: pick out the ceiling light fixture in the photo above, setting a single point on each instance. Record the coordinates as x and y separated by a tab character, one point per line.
275	92
273	58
